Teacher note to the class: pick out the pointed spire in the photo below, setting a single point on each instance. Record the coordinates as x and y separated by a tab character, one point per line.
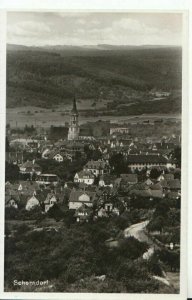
74	109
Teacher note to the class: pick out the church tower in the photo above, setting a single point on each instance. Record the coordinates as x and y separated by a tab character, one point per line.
73	133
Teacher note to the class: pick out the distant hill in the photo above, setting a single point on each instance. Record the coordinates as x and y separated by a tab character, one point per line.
47	76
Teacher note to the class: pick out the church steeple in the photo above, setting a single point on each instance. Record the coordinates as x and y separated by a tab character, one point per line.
73	133
74	109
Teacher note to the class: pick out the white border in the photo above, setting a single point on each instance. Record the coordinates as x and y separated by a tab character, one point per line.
145	6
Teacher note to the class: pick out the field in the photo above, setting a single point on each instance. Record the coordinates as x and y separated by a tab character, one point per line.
44	118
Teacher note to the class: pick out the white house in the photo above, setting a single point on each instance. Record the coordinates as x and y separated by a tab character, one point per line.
49	201
58	157
86	177
32	203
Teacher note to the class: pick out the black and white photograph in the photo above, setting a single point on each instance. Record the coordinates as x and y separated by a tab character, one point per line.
93	164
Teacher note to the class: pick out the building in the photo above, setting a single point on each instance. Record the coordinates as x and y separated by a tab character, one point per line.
32	203
97	167
86	177
47	179
78	197
30	167
73	133
121	130
83	213
139	162
50	201
14	157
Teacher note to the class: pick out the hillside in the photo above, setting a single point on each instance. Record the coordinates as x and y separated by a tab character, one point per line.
49	76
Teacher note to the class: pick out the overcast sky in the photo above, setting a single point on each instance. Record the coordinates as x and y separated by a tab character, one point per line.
39	29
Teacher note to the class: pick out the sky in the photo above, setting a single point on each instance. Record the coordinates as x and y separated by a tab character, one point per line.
80	28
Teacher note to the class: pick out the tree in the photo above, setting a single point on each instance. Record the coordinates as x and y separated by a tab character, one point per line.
118	164
155	173
11	172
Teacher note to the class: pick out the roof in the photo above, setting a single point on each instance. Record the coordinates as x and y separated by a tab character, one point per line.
22	186
74	109
156	187
140	186
174	184
157	193
49	197
169	176
141	193
75	194
53	153
108	179
146	159
31	165
96	164
85	174
163	183
130	177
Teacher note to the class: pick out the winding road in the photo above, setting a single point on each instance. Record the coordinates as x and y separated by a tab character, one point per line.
137	231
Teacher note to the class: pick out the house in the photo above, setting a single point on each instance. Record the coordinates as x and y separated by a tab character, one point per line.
32	202
30	167
11	201
166	177
86	177
140	162
98	167
107	180
121	130
56	155
78	197
47	179
59	156
107	209
30	145
148	182
50	201
83	213
22	188
14	157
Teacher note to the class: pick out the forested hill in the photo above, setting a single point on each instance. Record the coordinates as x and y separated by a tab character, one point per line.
48	76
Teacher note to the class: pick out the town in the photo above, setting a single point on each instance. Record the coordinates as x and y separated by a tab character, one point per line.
123	174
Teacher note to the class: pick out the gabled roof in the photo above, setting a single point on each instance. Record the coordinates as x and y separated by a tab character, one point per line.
174	184
75	194
49	197
157	193
156	187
